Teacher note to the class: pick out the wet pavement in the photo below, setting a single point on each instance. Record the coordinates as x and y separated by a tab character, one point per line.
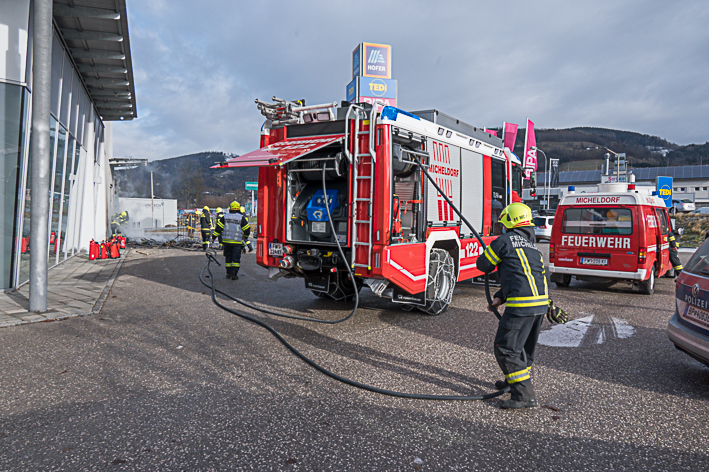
162	379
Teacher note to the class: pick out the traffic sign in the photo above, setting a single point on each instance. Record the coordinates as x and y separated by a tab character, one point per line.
251	185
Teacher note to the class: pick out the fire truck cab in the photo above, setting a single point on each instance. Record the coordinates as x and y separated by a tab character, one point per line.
614	235
398	234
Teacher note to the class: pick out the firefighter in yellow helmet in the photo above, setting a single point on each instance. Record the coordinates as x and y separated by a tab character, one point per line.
206	225
524	289
233	227
247	244
218	214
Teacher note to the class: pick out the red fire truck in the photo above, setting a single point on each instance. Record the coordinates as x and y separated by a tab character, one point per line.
398	234
617	234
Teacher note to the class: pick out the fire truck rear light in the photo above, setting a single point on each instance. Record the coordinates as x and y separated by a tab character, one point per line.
642	255
287	262
333	270
552	251
288	249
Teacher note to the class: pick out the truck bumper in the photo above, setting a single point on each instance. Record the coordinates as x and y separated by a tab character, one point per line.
640	274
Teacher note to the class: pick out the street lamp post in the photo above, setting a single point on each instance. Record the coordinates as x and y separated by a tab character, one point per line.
152	198
546	175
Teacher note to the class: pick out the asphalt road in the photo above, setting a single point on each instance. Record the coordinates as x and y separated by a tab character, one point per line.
162	379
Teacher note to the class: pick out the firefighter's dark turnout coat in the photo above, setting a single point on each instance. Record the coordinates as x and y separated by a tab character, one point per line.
524	288
233	227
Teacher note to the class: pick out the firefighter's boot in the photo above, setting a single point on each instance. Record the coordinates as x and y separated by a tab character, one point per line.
517	404
500	384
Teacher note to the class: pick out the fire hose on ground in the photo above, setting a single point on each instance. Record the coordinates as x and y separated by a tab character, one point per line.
211	258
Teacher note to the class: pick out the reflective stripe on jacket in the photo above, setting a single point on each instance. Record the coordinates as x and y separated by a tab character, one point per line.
521	271
233	227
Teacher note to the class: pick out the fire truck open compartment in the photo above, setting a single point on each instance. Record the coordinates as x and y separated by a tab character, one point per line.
306	214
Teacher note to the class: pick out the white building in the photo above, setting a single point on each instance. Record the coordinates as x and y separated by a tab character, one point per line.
65	74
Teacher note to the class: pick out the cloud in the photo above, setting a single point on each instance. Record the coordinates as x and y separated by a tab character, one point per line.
632	65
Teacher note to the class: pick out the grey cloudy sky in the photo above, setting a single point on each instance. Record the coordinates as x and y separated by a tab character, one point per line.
633	65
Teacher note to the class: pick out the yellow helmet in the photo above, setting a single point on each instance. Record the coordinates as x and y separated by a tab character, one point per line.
198	212
242	210
234	205
206	208
219	209
515	215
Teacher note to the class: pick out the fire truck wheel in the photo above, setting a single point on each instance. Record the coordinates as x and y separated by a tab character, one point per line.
563	281
648	286
441	281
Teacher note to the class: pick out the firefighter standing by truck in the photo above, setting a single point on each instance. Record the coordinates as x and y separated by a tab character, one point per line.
233	227
674	255
524	289
205	223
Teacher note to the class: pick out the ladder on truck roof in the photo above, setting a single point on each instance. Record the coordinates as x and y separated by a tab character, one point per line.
360	162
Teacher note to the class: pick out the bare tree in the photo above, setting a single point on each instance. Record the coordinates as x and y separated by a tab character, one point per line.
189	184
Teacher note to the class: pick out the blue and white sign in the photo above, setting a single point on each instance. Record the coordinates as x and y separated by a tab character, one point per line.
664	189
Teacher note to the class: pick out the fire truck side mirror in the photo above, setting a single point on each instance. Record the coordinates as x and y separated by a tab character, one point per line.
533	179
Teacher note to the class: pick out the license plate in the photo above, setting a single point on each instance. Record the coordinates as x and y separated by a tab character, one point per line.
696	315
319	227
593	261
275	249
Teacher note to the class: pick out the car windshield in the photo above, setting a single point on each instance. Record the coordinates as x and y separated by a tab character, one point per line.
540	221
686	201
600	220
699	262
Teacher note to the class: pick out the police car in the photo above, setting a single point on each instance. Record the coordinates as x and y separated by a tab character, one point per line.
689	327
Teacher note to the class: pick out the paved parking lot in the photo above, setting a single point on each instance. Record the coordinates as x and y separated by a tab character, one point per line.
163	379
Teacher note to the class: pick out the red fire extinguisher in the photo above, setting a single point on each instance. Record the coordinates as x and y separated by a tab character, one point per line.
123	241
113	248
93	250
25	245
52	237
104	250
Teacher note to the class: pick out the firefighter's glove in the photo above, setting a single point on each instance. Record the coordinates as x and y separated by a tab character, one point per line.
556	315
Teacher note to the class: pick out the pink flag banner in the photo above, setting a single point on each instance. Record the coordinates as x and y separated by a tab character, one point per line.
491	131
530	155
509	135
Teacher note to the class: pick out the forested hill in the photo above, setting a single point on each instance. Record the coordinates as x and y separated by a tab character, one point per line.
188	179
583	148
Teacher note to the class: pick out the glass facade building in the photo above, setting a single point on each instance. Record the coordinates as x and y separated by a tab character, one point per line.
80	190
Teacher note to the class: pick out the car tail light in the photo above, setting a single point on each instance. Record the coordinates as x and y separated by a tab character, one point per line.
287	262
552	252
542	227
642	256
288	249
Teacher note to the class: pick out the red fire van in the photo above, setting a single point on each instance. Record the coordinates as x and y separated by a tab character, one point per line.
610	236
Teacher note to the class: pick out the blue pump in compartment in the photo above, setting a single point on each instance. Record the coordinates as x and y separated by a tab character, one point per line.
316	206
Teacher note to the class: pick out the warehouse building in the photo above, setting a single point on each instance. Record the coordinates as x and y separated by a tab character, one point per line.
65	75
689	182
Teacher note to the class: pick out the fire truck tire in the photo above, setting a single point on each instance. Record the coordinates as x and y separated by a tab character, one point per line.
563	280
340	290
441	282
648	286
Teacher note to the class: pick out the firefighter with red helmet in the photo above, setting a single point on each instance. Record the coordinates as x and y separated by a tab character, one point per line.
233	227
524	289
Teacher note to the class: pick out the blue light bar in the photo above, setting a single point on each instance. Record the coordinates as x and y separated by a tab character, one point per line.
390	113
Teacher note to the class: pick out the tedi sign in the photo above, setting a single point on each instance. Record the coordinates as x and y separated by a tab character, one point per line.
371	75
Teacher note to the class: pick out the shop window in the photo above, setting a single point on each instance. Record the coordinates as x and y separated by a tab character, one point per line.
11	110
